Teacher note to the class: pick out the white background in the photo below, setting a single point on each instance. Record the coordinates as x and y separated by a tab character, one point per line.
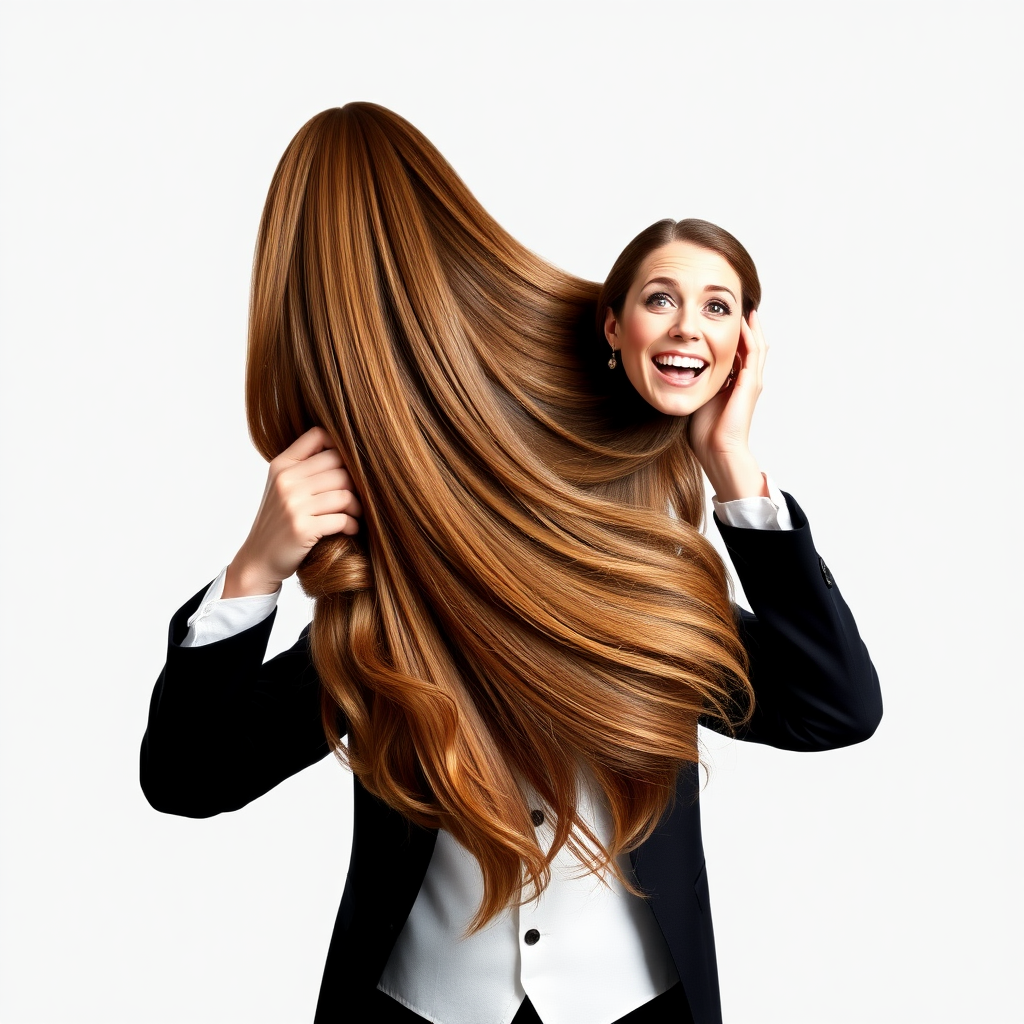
868	157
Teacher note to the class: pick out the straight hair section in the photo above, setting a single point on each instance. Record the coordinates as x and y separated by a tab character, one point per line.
529	600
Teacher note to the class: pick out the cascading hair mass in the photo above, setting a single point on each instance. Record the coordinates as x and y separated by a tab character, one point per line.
529	599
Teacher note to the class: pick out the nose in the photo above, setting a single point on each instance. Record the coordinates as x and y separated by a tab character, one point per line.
686	324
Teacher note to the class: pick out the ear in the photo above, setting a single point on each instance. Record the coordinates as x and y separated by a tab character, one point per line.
611	329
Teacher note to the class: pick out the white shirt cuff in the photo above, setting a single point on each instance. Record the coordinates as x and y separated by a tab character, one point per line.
217	618
771	513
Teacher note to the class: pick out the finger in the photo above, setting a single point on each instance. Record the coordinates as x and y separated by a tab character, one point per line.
758	335
752	337
746	386
301	477
747	383
314	440
756	350
332	523
755	324
739	360
327	480
320	462
327	502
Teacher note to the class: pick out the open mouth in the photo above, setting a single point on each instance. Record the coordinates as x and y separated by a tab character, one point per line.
679	368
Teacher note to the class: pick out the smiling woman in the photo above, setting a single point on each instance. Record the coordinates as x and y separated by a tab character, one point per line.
519	623
677	330
679	312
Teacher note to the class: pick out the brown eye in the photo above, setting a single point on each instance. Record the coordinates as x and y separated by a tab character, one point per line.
718	307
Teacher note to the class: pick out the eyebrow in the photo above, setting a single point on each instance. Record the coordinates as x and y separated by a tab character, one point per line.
675	284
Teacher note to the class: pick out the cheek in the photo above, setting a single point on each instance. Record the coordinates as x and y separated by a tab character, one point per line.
635	342
633	356
633	365
725	350
636	335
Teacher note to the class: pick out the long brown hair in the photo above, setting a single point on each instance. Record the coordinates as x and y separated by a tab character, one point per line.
529	596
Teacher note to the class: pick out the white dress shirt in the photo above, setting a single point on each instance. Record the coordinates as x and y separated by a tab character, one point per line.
585	949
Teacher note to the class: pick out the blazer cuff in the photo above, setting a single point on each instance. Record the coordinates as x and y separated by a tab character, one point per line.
238	656
769	562
757	513
218	618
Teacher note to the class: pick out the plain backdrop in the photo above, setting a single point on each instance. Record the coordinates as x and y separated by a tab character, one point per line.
870	159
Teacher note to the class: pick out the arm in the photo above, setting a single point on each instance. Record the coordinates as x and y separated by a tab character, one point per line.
814	684
225	728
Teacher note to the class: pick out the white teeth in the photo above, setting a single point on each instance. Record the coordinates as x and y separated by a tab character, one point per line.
686	361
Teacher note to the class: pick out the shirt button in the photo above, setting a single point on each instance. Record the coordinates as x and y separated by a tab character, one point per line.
825	574
537	817
532	937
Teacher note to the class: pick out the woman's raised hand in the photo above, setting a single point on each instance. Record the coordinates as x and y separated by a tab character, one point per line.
308	496
719	430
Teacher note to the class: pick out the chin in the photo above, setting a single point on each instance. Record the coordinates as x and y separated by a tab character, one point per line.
672	400
673	404
675	408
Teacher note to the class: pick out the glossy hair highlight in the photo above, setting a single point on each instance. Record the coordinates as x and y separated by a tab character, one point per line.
529	598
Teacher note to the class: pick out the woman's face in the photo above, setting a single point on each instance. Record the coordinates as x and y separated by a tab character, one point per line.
679	327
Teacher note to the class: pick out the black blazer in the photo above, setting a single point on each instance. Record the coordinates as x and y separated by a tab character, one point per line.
224	728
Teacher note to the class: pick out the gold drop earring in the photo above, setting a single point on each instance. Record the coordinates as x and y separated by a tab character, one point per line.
613	362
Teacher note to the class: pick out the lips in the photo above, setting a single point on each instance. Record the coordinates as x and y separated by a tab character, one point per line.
679	369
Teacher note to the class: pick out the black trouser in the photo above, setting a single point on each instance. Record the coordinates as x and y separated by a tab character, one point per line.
668	1008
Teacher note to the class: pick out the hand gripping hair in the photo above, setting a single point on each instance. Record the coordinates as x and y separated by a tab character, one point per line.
519	606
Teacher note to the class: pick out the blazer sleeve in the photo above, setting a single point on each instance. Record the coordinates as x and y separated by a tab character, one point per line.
814	685
224	727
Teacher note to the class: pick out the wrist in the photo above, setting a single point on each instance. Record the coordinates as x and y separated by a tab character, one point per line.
248	579
736	476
